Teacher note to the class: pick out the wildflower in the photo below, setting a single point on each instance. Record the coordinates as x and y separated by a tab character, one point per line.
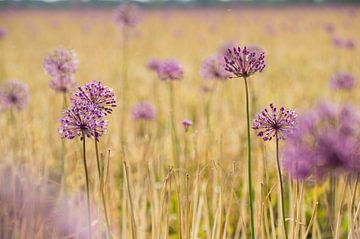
170	70
82	120
244	62
143	111
2	33
342	81
14	95
62	84
212	69
186	123
97	94
343	43
126	15
154	65
274	122
60	62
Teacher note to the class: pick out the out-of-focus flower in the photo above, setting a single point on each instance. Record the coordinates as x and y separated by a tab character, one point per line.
126	15
82	120
223	50
2	33
343	43
154	65
186	123
60	62
325	141
342	81
143	111
62	84
244	62
170	70
14	95
329	28
96	93
274	123
213	69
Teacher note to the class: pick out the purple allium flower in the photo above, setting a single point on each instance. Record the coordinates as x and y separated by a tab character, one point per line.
342	81
2	33
154	65
62	84
143	111
14	95
82	119
329	28
170	70
343	43
223	50
186	123
126	15
274	122
325	141
60	62
97	94
244	62
213	69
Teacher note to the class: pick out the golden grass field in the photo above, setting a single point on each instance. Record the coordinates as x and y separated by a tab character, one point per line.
210	186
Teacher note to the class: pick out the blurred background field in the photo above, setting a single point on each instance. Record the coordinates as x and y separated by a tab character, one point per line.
300	57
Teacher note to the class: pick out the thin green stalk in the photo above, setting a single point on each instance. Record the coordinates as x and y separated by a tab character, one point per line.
281	187
87	184
101	178
249	161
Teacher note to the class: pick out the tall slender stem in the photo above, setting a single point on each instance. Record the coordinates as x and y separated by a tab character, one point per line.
249	161
173	126
87	184
101	179
281	187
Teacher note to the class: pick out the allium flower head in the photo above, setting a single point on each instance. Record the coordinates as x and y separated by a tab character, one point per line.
82	119
2	33
143	111
170	70
97	94
213	69
186	123
14	95
274	123
244	62
60	62
342	81
126	15
153	65
325	141
343	43
63	84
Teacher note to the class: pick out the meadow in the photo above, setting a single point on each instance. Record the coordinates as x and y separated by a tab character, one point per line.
160	176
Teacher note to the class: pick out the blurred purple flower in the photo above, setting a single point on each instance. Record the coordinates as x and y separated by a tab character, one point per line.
14	95
126	15
143	111
62	84
343	43
342	81
274	123
2	33
60	62
325	141
213	69
96	93
170	70
186	123
329	28
154	65
223	50
244	62
82	119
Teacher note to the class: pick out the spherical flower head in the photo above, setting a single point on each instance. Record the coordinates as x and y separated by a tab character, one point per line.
343	43
244	62
14	95
342	81
274	123
153	65
2	33
223	50
60	62
325	141
62	84
97	94
186	123
82	120
126	15
170	70
143	111
213	69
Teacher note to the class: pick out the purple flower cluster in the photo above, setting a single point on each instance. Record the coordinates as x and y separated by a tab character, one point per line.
342	81
213	69
13	95
85	117
143	111
126	15
2	33
170	70
154	65
186	123
325	141
60	65
244	62
343	43
274	123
